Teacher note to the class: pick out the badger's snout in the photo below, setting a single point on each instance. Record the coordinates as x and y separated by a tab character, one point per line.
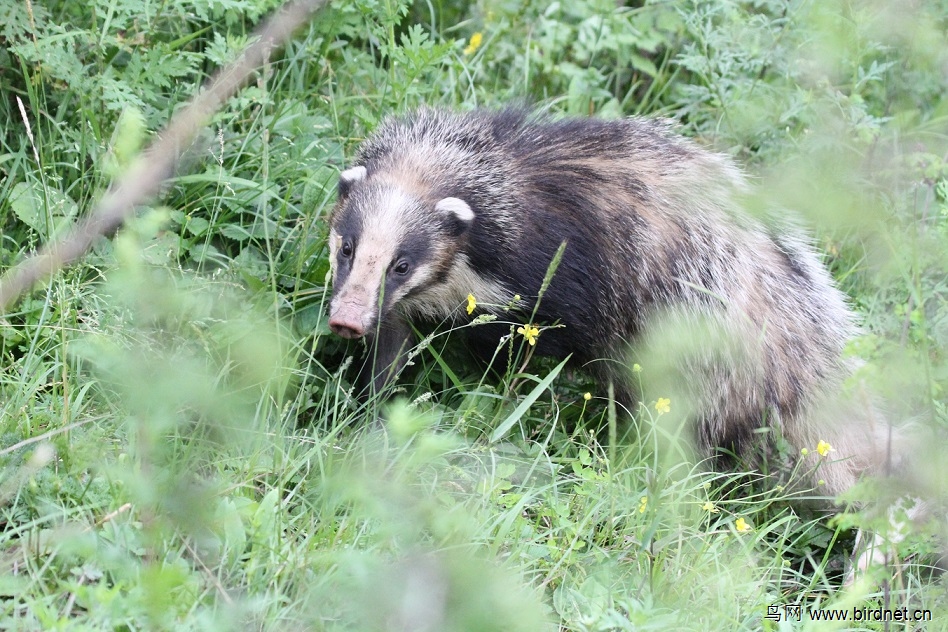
346	321
346	329
349	313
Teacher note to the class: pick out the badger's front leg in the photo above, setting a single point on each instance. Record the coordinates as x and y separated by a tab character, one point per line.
387	354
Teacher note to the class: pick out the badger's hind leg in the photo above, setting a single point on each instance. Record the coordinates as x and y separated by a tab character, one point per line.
875	549
882	451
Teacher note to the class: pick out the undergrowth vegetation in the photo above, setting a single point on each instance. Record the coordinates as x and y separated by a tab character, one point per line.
179	441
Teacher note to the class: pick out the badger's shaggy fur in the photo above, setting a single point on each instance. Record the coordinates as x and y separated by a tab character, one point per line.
440	205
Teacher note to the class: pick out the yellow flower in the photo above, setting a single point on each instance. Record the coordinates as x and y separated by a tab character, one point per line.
823	448
643	504
709	507
636	368
742	525
474	43
587	396
530	333
663	405
471	303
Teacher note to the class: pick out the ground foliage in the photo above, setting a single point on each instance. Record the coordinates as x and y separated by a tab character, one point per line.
180	446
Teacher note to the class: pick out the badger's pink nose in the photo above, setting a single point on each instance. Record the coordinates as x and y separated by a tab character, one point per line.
346	331
346	325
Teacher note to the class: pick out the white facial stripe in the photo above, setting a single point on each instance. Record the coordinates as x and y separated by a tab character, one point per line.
368	270
382	231
442	300
361	289
389	219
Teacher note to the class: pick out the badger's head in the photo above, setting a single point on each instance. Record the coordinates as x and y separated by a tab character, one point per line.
394	244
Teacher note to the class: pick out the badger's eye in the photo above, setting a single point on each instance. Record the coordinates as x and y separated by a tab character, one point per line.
346	249
402	267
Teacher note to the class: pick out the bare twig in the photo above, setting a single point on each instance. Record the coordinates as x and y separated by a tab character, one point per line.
43	437
143	179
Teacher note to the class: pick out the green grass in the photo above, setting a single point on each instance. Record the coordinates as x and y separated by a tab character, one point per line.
180	444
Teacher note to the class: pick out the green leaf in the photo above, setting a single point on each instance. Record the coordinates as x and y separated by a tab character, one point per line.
197	226
528	401
46	214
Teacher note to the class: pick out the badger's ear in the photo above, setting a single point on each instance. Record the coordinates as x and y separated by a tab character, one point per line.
457	212
349	177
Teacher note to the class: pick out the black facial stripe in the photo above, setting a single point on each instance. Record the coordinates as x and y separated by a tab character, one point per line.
349	223
342	271
415	248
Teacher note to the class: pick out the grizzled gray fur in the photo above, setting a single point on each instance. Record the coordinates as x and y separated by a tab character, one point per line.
441	205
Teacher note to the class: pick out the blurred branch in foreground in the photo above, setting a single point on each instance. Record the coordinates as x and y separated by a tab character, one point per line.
142	180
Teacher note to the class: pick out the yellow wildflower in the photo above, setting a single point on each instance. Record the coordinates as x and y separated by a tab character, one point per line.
709	507
643	504
474	43
471	303
636	368
663	405
742	525
530	333
587	396
823	448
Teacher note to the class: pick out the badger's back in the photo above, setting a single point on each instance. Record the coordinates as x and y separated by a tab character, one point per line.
652	221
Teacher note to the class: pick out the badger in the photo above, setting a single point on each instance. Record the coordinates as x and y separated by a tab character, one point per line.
442	205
